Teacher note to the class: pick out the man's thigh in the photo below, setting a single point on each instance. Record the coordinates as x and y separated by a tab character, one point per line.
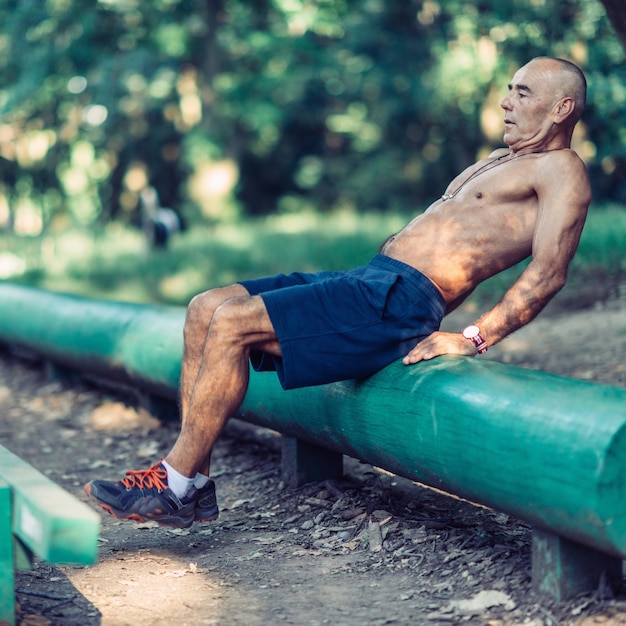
331	329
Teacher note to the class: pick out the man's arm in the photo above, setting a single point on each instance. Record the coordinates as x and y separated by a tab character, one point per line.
562	210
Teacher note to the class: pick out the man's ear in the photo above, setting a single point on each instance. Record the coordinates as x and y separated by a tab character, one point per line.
563	109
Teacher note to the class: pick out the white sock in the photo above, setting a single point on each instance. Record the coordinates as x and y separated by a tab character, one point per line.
200	480
178	483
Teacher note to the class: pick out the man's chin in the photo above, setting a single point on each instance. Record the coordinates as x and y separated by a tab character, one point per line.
508	139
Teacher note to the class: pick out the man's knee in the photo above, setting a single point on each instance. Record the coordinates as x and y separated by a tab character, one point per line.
231	311
202	307
242	320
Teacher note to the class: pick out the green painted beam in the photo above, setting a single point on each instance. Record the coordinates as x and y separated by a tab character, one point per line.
563	569
23	556
126	342
7	574
543	448
303	462
51	522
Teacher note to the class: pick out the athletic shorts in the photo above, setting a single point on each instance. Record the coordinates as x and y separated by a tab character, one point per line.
348	324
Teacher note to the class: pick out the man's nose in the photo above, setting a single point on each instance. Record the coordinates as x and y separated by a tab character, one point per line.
506	103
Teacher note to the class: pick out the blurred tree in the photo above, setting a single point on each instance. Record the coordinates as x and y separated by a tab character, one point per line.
88	91
616	11
275	105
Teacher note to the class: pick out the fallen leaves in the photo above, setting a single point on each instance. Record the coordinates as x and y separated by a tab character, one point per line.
482	601
118	417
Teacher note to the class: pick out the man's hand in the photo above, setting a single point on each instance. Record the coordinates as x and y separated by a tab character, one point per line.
438	344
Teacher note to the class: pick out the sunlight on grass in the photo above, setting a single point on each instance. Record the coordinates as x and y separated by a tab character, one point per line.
179	286
11	265
116	262
603	242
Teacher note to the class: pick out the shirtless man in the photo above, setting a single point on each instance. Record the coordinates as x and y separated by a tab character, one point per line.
530	199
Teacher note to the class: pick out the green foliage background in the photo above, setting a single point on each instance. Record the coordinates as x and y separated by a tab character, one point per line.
252	107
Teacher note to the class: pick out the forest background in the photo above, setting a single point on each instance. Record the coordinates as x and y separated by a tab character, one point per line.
255	119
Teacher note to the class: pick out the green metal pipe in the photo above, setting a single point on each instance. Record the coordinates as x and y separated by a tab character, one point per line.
543	448
53	524
126	342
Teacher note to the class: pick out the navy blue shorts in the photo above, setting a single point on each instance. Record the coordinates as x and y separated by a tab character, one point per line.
349	324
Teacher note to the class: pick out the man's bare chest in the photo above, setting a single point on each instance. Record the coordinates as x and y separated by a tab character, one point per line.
501	184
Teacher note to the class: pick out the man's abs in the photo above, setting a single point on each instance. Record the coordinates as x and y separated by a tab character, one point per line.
457	251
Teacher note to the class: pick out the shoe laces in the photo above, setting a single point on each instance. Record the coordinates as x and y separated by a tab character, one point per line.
152	478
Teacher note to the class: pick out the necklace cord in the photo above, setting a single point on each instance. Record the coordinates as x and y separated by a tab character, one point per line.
489	166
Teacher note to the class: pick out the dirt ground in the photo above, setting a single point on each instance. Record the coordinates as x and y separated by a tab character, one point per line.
372	549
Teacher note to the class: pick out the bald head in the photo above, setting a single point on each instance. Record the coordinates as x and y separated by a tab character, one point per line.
569	82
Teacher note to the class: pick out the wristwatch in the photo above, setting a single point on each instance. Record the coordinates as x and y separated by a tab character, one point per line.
473	334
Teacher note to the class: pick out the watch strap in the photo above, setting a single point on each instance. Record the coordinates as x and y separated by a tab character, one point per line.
476	338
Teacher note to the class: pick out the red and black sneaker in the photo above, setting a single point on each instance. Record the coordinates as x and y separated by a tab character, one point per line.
206	503
144	496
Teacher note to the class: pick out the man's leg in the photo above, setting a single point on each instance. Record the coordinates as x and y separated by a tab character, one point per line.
237	325
199	315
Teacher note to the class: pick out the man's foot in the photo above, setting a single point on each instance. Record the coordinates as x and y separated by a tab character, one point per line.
206	503
144	496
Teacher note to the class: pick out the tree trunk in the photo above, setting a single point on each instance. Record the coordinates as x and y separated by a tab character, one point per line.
616	11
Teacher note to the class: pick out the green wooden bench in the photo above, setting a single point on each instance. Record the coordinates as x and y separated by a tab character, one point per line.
542	448
38	519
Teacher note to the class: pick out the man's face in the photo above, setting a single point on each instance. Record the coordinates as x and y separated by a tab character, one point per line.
529	104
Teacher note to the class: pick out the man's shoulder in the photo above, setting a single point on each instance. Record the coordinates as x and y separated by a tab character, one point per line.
556	164
565	171
560	158
563	154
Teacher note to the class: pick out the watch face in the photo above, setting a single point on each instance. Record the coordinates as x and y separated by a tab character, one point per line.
470	332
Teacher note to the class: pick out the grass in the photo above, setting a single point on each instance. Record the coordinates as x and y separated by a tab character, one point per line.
115	263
